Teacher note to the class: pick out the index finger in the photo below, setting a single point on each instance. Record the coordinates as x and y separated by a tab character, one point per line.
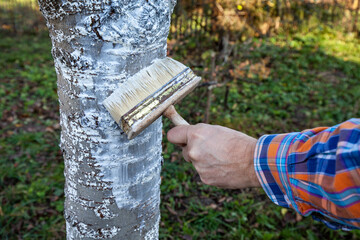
178	135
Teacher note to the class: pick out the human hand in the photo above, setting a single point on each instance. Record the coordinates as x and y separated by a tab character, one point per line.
223	157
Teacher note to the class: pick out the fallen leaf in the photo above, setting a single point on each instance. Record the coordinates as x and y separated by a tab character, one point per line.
213	206
187	237
172	211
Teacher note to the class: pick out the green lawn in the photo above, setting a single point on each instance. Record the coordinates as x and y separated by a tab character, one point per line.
271	85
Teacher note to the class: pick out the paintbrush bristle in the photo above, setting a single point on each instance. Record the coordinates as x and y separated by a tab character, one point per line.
141	85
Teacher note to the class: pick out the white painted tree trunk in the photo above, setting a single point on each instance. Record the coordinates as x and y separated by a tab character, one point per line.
112	185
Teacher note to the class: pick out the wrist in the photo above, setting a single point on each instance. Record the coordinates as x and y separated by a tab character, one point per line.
250	152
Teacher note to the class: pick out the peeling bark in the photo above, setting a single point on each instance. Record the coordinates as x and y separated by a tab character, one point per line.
112	185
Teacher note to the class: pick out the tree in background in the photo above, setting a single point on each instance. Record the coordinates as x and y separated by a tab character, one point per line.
356	7
112	184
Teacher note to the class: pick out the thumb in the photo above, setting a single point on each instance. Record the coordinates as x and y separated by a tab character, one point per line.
178	135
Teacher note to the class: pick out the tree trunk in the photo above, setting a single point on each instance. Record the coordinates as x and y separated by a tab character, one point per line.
278	9
112	185
356	7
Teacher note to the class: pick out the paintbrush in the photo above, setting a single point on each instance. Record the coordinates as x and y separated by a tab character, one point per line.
148	94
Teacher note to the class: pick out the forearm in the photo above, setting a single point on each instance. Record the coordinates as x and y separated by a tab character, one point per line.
315	171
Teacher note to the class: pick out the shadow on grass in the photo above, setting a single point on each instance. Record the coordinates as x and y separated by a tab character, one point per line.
268	86
286	85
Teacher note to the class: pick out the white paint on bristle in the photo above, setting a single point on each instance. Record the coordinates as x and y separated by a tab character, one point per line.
142	85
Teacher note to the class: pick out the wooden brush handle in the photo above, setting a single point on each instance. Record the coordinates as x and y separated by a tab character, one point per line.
172	114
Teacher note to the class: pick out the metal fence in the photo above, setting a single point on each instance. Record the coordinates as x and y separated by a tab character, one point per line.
260	17
191	18
197	18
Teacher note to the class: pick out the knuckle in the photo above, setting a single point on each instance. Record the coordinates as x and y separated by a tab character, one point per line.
193	154
201	125
197	131
193	134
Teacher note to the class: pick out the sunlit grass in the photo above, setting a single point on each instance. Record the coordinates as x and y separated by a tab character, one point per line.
11	4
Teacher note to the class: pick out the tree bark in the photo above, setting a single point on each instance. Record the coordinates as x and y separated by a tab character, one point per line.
356	7
112	185
278	9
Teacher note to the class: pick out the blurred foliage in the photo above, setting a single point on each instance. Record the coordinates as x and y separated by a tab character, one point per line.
281	81
241	19
21	16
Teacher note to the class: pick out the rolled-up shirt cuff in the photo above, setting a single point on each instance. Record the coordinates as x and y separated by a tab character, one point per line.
270	162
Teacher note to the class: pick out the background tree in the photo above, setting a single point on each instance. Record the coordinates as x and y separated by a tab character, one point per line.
112	184
356	7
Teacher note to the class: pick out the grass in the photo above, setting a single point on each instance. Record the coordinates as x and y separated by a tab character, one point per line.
31	172
273	85
278	84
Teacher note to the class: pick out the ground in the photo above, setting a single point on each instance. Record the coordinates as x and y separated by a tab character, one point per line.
277	84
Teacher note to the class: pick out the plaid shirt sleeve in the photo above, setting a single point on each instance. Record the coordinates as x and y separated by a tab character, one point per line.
316	172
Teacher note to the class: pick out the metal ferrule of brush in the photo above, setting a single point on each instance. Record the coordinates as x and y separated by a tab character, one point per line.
148	110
